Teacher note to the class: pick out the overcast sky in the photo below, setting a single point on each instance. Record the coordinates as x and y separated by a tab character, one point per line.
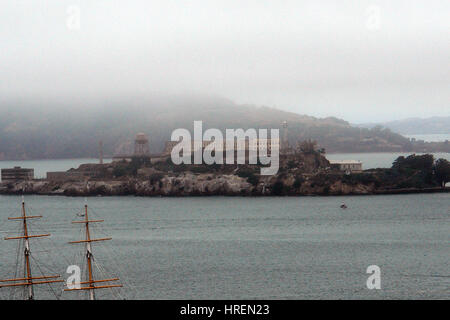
362	61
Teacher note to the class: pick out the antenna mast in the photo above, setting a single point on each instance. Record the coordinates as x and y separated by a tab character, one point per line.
100	151
28	279
89	258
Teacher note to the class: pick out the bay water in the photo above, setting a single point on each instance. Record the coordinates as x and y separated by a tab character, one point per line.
241	247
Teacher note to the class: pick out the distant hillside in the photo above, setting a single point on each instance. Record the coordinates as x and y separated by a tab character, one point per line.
48	129
433	125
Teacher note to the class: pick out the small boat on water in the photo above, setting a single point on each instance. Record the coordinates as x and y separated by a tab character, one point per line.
343	206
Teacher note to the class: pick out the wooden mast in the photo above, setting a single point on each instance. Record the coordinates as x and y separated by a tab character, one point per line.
89	257
27	280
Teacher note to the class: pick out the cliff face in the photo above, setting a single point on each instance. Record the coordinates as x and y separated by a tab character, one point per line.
182	185
187	184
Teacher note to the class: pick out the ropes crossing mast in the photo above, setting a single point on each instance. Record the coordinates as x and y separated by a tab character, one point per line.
91	283
28	280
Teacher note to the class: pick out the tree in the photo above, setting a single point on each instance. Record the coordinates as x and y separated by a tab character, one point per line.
278	188
119	171
155	177
291	164
249	174
307	146
442	171
415	162
298	182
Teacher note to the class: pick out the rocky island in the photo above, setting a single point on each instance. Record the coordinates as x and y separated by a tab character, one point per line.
306	171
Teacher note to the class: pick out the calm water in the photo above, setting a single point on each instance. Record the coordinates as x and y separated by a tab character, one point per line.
246	248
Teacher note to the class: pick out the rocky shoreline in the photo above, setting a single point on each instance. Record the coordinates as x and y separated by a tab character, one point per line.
190	184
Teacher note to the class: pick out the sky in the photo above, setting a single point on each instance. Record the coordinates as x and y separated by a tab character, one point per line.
363	61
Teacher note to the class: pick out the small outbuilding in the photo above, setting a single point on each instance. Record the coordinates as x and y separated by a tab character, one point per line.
348	166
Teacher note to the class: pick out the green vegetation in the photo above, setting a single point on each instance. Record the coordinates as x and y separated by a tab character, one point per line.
414	171
156	177
119	171
363	178
248	173
278	188
298	182
414	162
442	171
307	146
125	168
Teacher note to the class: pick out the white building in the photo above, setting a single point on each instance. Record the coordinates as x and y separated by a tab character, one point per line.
247	145
347	165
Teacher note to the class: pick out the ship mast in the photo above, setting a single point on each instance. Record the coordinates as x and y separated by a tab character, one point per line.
28	279
91	283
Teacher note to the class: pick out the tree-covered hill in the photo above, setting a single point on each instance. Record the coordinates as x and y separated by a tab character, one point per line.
69	129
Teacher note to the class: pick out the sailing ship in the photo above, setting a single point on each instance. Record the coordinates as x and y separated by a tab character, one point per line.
28	281
91	283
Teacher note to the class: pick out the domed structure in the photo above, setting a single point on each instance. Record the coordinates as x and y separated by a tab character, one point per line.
141	146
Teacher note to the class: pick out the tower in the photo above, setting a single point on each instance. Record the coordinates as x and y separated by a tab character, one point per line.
100	152
141	147
285	144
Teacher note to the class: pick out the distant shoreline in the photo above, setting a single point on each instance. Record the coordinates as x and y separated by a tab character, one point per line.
108	159
429	137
